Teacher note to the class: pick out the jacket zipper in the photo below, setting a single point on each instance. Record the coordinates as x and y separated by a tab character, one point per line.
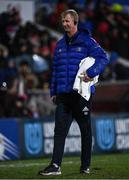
68	66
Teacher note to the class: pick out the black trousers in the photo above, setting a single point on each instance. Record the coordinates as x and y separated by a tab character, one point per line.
72	106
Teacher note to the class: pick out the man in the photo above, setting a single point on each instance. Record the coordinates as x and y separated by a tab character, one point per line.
75	45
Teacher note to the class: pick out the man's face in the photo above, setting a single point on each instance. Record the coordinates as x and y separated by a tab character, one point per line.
68	23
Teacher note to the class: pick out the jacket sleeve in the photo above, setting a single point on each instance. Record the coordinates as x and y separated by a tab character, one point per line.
100	56
53	84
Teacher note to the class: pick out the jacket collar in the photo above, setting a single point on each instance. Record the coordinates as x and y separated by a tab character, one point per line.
71	39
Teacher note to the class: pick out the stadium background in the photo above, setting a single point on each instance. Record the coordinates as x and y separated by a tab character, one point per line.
29	31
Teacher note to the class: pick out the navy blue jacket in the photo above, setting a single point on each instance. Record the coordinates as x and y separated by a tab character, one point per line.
68	54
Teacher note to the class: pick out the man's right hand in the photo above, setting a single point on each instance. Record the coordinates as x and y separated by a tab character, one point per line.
85	77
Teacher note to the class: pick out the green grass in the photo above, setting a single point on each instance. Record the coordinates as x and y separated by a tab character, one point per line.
111	166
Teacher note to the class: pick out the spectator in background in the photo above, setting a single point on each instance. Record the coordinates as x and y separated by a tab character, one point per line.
11	104
7	65
27	79
75	45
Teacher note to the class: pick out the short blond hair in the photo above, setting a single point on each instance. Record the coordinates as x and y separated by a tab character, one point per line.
73	14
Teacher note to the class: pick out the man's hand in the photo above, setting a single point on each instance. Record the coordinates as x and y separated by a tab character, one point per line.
53	99
85	77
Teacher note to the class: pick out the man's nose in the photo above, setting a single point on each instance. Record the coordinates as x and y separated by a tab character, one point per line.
64	23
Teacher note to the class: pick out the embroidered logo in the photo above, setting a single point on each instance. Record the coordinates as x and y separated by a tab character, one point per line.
59	50
85	110
79	49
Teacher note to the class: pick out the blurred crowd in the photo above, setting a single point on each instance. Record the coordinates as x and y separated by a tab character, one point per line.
26	51
107	22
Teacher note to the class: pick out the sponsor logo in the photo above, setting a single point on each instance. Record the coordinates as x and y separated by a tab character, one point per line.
7	147
33	138
85	110
105	132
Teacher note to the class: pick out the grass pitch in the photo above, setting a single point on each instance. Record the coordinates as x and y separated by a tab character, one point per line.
111	166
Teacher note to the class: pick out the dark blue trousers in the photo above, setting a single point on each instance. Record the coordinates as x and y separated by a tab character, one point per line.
72	106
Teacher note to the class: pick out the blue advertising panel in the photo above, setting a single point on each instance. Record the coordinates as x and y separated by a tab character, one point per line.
110	134
9	139
105	133
33	139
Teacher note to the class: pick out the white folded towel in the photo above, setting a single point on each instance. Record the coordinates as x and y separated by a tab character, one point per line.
83	88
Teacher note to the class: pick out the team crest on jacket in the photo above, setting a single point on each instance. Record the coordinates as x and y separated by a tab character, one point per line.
79	49
60	50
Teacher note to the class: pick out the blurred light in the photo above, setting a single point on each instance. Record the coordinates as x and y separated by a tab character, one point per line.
36	57
4	84
39	64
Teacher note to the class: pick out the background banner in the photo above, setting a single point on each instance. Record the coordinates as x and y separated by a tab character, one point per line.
34	138
9	139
